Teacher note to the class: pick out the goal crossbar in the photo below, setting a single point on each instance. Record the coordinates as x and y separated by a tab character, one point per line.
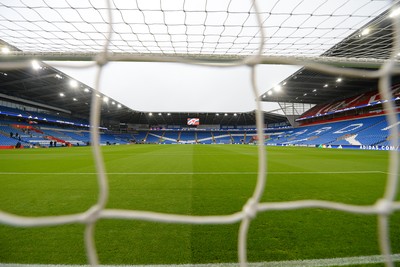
199	59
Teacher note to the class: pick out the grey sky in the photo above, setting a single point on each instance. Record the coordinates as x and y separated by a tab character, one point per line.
173	87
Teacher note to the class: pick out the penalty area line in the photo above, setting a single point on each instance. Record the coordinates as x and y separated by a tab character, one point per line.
295	263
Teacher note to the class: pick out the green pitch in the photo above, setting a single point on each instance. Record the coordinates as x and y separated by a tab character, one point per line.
197	180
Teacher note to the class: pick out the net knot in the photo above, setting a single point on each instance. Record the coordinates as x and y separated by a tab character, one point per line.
250	209
92	214
384	206
101	59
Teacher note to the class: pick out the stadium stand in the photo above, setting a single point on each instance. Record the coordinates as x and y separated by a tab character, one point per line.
154	137
171	137
238	137
365	100
222	137
187	137
7	142
31	115
346	131
204	137
366	131
140	136
24	135
370	131
105	138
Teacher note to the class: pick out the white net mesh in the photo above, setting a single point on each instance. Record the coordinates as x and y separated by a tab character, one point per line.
196	32
202	28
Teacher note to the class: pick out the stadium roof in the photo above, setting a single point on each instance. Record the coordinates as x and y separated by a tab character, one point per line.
305	86
310	86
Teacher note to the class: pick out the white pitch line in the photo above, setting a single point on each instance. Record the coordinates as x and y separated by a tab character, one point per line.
296	263
184	173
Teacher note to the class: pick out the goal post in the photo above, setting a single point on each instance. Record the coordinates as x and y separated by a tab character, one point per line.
217	34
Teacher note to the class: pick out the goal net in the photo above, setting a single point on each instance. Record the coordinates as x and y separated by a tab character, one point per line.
357	38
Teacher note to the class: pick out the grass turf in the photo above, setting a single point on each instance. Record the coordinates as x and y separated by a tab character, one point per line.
198	180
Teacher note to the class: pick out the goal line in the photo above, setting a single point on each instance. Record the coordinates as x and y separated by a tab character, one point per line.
188	173
295	263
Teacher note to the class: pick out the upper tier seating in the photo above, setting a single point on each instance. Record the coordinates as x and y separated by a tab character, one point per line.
366	131
364	99
40	116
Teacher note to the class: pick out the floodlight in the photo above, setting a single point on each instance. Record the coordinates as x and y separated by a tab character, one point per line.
35	65
74	99
87	90
339	80
150	114
113	103
326	85
278	88
269	92
119	106
365	31
5	50
62	94
105	99
395	13
73	83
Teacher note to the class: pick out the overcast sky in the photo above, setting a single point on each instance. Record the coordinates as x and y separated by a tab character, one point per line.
173	87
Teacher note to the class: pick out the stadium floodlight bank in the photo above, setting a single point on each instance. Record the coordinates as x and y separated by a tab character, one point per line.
218	34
